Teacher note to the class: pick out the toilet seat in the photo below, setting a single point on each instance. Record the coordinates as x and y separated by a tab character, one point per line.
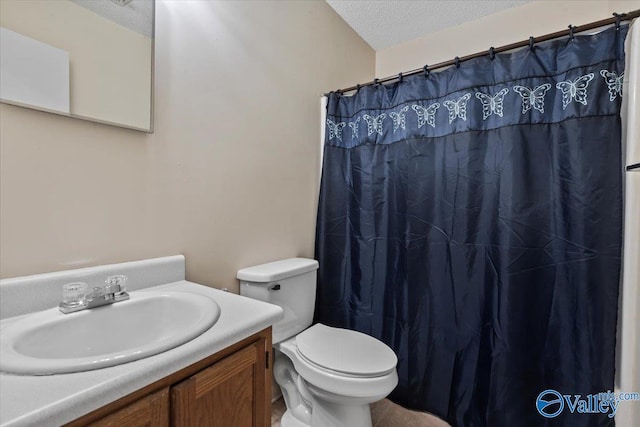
345	352
339	384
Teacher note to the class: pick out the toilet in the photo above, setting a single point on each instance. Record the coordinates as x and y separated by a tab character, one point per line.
328	376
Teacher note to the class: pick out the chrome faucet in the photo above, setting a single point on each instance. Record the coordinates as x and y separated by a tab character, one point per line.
76	298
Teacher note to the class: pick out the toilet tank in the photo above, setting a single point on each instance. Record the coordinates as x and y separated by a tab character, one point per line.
289	283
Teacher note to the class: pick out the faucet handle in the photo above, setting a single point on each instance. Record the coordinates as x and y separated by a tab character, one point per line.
74	294
116	284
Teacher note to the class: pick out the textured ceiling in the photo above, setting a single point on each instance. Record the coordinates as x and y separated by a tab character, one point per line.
386	23
137	15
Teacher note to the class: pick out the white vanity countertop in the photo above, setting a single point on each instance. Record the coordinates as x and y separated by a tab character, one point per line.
57	399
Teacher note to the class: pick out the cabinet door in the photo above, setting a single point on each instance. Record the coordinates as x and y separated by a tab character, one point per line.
150	411
230	393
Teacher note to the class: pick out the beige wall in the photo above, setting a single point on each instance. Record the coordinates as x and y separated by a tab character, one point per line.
229	178
511	25
110	65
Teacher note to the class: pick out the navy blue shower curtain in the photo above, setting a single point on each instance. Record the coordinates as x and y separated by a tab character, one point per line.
471	219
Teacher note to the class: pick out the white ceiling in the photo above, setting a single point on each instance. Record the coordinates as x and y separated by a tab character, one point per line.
386	23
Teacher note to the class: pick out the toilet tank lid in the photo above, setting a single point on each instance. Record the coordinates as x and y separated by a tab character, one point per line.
277	270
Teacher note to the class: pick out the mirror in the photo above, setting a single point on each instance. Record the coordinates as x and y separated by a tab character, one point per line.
88	59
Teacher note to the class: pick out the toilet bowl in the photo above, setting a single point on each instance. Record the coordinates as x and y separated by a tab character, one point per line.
343	371
328	376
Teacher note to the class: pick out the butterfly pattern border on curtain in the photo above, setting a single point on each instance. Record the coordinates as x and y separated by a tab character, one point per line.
572	91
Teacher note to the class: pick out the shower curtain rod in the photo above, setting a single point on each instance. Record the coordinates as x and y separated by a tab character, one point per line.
617	18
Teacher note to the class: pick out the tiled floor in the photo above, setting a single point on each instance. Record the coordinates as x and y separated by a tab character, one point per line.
383	414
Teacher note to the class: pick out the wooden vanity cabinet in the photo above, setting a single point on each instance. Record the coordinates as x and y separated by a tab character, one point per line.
231	388
227	394
149	411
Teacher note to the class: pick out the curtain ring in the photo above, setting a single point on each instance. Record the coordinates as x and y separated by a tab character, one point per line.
531	42
492	53
426	71
376	82
457	61
400	77
618	19
571	29
358	87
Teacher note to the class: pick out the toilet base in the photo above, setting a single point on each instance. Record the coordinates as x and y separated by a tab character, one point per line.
311	407
289	420
327	414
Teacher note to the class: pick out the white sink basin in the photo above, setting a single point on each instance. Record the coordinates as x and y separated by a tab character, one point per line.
50	342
